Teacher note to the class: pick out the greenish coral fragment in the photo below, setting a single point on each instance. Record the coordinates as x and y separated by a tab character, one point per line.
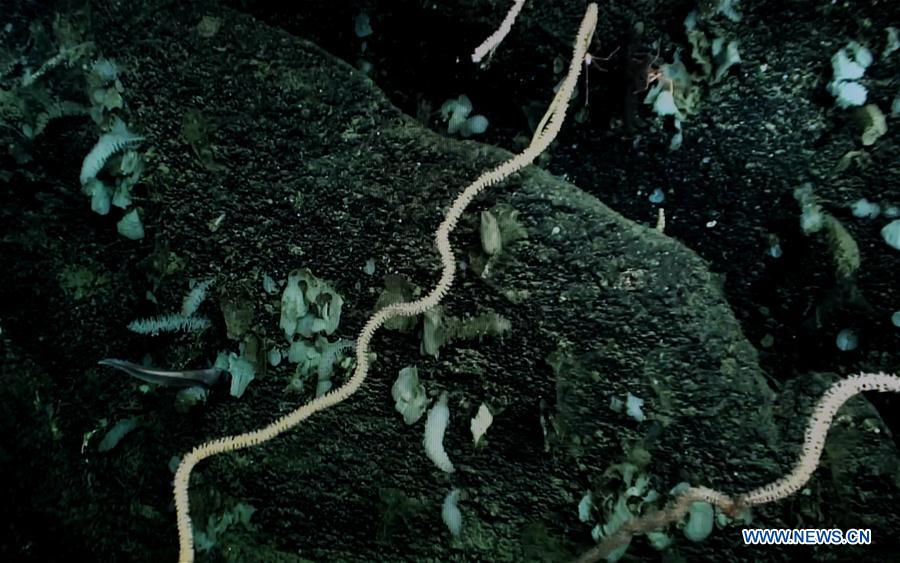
205	539
315	358
485	324
409	395
433	331
130	226
243	368
511	230
116	433
491	242
845	251
397	290
80	282
499	228
814	219
238	314
168	323
438	329
189	397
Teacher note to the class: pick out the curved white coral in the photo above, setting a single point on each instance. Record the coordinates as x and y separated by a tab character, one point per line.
435	426
450	513
108	144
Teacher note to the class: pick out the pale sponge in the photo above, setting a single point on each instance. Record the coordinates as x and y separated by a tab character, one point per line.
435	426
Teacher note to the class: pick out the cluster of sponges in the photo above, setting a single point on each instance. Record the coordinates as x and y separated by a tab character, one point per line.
112	168
309	308
309	305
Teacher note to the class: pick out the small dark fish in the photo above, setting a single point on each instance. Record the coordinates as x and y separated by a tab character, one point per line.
209	377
